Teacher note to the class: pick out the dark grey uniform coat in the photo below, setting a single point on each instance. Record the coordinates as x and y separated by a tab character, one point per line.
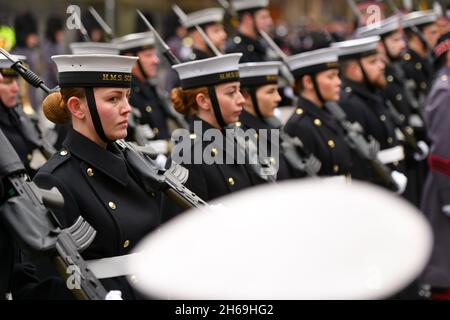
436	196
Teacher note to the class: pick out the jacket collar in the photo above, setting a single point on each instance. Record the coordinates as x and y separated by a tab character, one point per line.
253	122
320	113
361	89
110	161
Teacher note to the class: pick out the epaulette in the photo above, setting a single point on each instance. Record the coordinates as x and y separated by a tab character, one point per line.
56	160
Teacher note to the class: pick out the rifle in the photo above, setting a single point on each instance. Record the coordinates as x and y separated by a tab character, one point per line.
353	6
155	180
82	28
102	23
366	150
25	212
31	132
182	16
406	130
171	58
296	154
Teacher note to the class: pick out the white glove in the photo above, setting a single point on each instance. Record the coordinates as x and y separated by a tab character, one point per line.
161	161
401	180
424	151
114	295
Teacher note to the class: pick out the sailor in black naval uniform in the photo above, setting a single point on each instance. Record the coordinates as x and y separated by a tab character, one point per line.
91	171
436	196
317	81
211	21
404	106
210	92
422	33
259	85
145	95
253	16
15	124
361	98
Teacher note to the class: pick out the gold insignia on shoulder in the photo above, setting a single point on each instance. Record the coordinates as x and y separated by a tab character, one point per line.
331	144
112	205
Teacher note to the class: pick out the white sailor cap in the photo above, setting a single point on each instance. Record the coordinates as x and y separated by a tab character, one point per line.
208	72
135	42
204	17
419	18
248	5
94	70
255	74
357	48
94	48
382	28
5	66
358	243
312	62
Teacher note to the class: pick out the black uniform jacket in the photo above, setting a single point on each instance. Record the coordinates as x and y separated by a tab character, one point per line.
198	54
252	50
419	70
11	122
213	179
97	185
321	135
144	97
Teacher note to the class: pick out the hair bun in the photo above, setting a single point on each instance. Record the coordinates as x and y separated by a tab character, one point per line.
178	99
54	108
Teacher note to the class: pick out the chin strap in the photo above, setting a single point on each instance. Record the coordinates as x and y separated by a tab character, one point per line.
317	88
216	106
252	91
94	114
365	76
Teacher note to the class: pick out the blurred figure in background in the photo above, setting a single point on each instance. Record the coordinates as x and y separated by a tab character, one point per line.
54	34
27	42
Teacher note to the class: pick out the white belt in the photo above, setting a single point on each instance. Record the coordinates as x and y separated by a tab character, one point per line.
391	155
111	267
